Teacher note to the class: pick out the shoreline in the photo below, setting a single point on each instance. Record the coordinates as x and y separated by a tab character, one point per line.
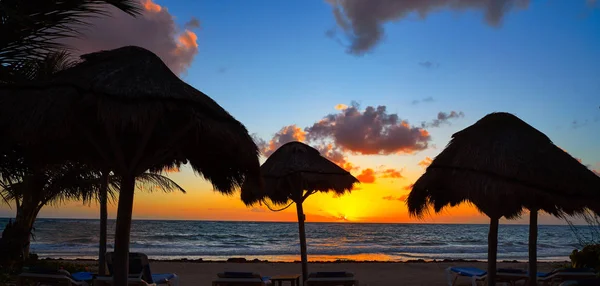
241	260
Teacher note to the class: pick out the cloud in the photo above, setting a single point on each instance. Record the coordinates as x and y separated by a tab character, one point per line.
391	173
429	64
192	24
362	21
341	106
155	30
335	155
425	162
442	118
258	210
367	176
172	170
393	198
285	135
426	99
597	172
369	132
222	70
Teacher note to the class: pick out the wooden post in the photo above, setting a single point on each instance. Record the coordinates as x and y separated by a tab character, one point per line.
302	234
492	251
533	230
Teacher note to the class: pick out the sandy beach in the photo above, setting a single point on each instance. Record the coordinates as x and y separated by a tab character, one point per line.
368	273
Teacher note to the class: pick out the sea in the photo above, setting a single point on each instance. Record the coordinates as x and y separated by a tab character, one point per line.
278	241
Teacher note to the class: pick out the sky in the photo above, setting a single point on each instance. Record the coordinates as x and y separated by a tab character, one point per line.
405	74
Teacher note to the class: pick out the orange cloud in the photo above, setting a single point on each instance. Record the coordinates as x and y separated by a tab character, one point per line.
151	6
341	106
391	173
597	172
426	162
367	176
392	198
155	29
188	39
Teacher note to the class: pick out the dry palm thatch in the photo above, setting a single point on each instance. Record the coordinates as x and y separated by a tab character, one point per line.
123	110
501	165
294	172
294	168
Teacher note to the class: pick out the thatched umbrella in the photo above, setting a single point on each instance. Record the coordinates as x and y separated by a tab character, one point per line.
123	110
294	172
501	165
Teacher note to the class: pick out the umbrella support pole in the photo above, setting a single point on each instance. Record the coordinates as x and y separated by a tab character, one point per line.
302	234
103	223
533	233
492	251
122	233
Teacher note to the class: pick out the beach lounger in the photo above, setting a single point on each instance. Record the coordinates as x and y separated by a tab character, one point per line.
559	275
52	277
241	279
582	282
476	275
132	281
331	279
139	267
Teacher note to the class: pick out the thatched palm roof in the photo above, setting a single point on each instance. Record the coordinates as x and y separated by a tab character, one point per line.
128	99
502	164
297	167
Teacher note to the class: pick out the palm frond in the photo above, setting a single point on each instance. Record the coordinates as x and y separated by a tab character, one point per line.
31	29
151	182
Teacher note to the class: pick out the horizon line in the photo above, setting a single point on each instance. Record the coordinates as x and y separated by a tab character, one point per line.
315	222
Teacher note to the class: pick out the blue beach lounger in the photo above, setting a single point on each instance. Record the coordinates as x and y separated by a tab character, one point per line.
139	266
560	275
477	275
241	279
61	277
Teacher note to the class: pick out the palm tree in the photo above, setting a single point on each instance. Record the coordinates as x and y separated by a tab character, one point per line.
31	29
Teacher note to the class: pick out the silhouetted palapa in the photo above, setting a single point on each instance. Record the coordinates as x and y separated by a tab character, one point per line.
501	165
125	111
294	172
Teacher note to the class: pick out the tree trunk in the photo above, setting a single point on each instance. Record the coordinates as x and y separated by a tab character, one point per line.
533	229
16	237
302	234
492	251
103	222
124	212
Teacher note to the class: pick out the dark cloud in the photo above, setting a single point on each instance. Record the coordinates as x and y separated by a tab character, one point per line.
362	21
336	155
442	118
393	198
367	176
154	30
424	100
429	64
368	132
192	24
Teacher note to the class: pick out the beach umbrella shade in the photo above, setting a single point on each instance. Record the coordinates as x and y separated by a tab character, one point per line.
293	173
502	165
124	110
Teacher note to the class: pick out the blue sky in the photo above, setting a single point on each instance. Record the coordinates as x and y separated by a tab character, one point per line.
272	65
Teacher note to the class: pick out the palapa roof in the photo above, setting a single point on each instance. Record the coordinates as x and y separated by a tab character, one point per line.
128	98
297	167
502	164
